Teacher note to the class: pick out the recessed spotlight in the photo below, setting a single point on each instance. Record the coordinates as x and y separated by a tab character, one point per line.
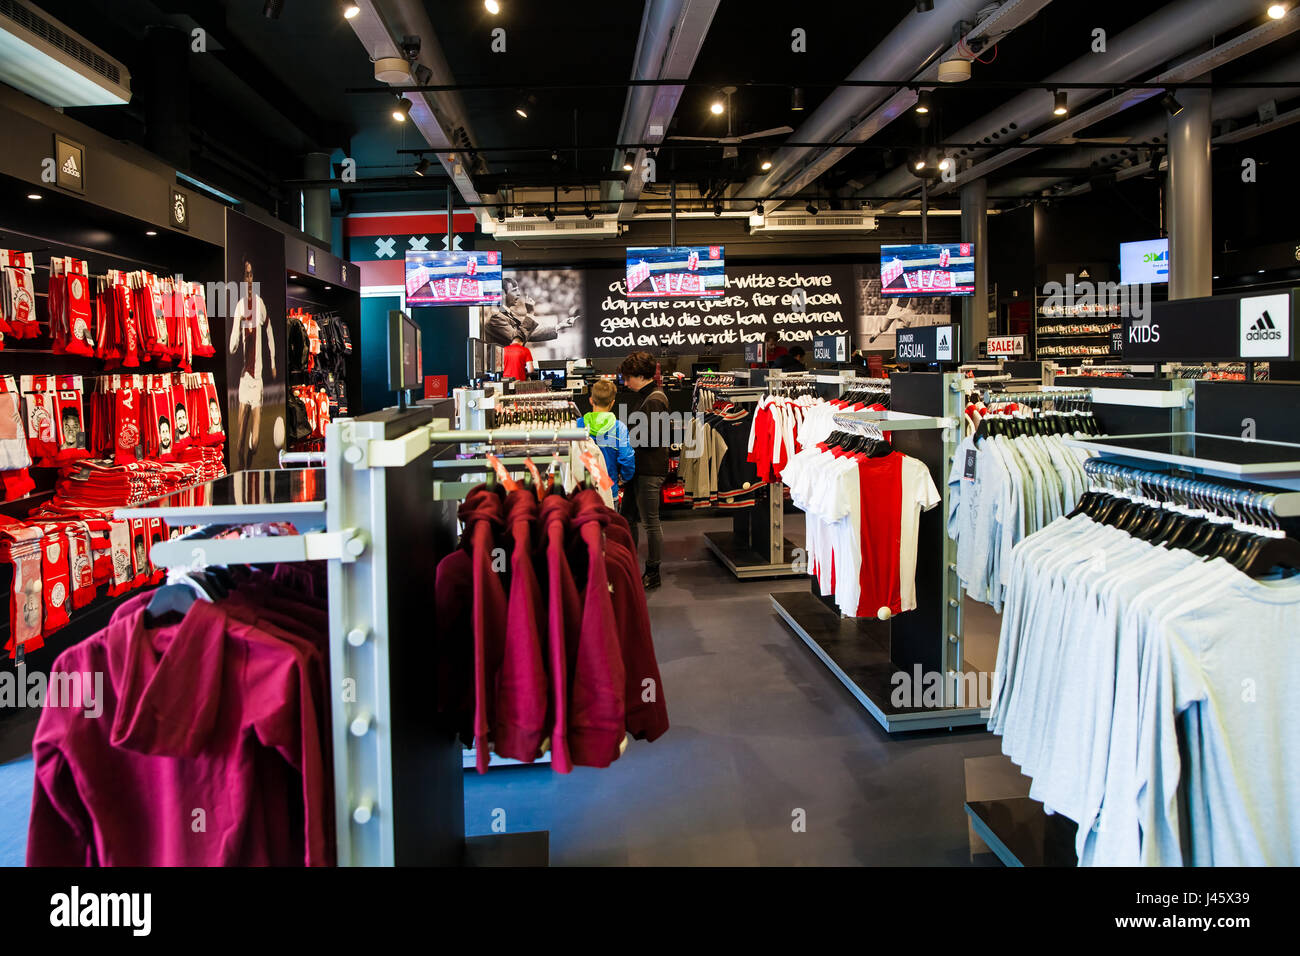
1276	11
796	98
765	161
349	10
716	107
521	111
292	276
923	101
329	287
1261	271
402	109
1060	107
422	166
945	164
920	163
35	196
151	232
629	159
492	7
1216	277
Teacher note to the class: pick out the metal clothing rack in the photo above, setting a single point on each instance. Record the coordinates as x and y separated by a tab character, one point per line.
867	655
398	774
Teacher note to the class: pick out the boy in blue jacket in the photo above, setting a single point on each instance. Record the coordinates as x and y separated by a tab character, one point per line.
610	434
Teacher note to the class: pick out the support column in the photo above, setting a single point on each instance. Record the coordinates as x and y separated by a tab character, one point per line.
1188	198
975	229
316	202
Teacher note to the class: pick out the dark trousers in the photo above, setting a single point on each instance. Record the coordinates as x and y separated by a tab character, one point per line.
641	501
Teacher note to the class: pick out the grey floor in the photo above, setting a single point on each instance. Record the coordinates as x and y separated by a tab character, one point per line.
762	736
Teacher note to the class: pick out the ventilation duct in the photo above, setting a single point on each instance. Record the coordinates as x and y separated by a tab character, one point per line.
47	61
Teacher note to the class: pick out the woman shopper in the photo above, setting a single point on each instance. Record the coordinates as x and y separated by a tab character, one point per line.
648	424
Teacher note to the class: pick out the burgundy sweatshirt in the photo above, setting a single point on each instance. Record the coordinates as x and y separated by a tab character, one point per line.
596	711
206	753
563	622
521	694
646	709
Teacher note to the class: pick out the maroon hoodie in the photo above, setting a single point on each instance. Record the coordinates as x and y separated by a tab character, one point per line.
206	752
596	705
647	712
563	622
520	721
471	614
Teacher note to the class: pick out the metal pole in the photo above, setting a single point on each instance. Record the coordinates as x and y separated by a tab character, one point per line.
925	211
974	229
672	212
1188	198
450	245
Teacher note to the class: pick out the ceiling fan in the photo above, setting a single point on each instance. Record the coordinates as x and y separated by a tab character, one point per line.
731	141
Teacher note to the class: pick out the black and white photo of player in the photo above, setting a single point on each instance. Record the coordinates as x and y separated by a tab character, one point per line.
546	307
880	316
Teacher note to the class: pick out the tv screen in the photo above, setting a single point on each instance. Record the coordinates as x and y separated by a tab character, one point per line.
1144	263
404	352
676	272
931	269
453	278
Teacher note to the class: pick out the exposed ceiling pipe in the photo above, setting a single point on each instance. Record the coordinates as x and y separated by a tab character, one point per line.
998	24
1185	71
908	48
1224	105
438	116
1161	37
672	34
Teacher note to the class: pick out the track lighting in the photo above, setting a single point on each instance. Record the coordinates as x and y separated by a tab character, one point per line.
422	166
1276	11
586	211
272	9
492	7
1171	105
919	163
349	9
812	208
717	207
1060	106
924	6
550	214
629	159
796	98
501	213
402	110
521	111
764	161
945	164
758	208
716	107
923	101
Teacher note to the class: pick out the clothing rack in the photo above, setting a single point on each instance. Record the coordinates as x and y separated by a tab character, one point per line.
398	776
1207	495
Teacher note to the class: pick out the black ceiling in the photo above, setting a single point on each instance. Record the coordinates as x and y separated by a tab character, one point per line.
268	91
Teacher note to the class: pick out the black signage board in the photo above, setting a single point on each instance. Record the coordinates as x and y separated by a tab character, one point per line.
1250	327
830	348
927	343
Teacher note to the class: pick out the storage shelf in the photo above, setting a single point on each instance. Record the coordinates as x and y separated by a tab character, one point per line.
1240	458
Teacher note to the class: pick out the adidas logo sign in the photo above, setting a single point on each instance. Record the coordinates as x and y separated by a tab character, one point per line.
1263	330
70	167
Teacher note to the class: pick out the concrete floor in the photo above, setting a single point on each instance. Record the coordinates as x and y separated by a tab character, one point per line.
760	731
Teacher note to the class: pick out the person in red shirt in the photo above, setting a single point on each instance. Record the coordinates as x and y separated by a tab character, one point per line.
518	359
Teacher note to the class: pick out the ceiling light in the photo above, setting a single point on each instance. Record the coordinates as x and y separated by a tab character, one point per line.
402	110
349	10
1171	105
501	213
1060	107
521	112
629	158
272	9
717	207
151	232
945	164
920	163
422	166
329	287
812	208
924	6
765	161
758	208
1261	271
923	101
550	214
292	276
492	7
716	107
796	98
35	196
1276	11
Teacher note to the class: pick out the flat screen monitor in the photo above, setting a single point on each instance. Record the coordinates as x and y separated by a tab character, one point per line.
476	358
676	272
405	358
453	278
556	376
1144	263
928	270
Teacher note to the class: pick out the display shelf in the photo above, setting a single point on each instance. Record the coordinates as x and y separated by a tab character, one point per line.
746	563
1224	455
899	421
856	651
295	495
1020	833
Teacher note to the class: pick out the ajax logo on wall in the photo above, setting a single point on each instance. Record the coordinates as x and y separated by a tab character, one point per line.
1266	326
180	210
